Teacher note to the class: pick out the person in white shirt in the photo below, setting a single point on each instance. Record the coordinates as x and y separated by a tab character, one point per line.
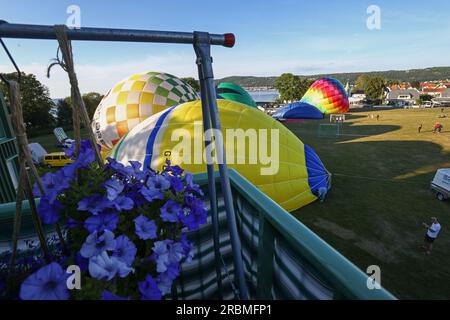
431	234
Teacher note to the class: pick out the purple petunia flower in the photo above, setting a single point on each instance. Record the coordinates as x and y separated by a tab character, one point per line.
113	188
54	184
158	182
175	170
118	168
175	183
187	248
165	281
48	283
49	212
107	295
123	203
145	228
139	174
125	250
149	289
151	193
86	155
102	221
96	243
170	211
195	213
94	204
167	253
104	267
191	186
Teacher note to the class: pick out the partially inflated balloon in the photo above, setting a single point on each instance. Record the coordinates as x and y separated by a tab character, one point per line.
133	100
290	172
233	92
328	95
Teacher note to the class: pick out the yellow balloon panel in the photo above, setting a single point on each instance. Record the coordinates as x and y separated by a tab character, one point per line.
177	134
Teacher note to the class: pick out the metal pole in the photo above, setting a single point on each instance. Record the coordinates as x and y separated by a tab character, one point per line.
211	186
203	51
28	31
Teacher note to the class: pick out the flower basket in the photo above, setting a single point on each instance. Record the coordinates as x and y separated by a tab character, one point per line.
125	231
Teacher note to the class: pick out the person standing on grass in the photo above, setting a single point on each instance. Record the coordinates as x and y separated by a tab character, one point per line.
431	234
419	128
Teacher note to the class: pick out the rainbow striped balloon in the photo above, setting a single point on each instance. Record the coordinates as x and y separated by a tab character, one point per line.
328	95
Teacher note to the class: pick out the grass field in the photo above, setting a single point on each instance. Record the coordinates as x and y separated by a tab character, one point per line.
381	195
48	142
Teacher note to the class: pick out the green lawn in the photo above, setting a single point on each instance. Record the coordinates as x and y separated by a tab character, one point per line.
381	195
48	142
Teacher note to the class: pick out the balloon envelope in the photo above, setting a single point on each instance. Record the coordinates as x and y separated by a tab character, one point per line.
298	110
133	100
233	92
328	95
297	172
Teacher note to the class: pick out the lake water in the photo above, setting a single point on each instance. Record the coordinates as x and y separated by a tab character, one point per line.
264	96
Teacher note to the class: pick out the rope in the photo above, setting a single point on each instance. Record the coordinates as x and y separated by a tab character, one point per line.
24	187
79	108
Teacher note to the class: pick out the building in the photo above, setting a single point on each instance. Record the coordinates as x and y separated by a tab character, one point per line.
403	97
356	99
434	88
9	172
443	100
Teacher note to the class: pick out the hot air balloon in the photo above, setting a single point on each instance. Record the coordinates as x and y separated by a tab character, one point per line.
133	100
292	175
325	96
233	92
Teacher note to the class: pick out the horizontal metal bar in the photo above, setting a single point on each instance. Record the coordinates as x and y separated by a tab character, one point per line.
28	31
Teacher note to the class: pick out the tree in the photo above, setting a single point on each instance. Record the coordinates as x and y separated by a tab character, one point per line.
374	88
292	88
192	82
64	113
91	101
36	102
415	84
361	82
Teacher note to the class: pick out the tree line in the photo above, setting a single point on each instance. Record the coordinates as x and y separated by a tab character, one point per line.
292	87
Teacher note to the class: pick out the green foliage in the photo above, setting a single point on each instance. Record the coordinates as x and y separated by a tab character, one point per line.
292	88
64	113
438	73
36	102
192	82
426	97
374	88
91	101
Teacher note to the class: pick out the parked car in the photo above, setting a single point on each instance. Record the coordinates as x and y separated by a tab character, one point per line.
441	184
427	104
56	159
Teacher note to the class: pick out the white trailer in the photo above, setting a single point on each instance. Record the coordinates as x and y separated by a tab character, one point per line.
441	184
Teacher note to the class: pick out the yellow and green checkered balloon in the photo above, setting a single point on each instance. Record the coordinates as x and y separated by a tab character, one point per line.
133	100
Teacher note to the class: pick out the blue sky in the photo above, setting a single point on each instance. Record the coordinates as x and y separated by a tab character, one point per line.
302	37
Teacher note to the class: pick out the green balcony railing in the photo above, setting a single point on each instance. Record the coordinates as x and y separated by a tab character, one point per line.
283	259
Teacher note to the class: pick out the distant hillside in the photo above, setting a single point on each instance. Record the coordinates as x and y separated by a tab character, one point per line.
428	74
